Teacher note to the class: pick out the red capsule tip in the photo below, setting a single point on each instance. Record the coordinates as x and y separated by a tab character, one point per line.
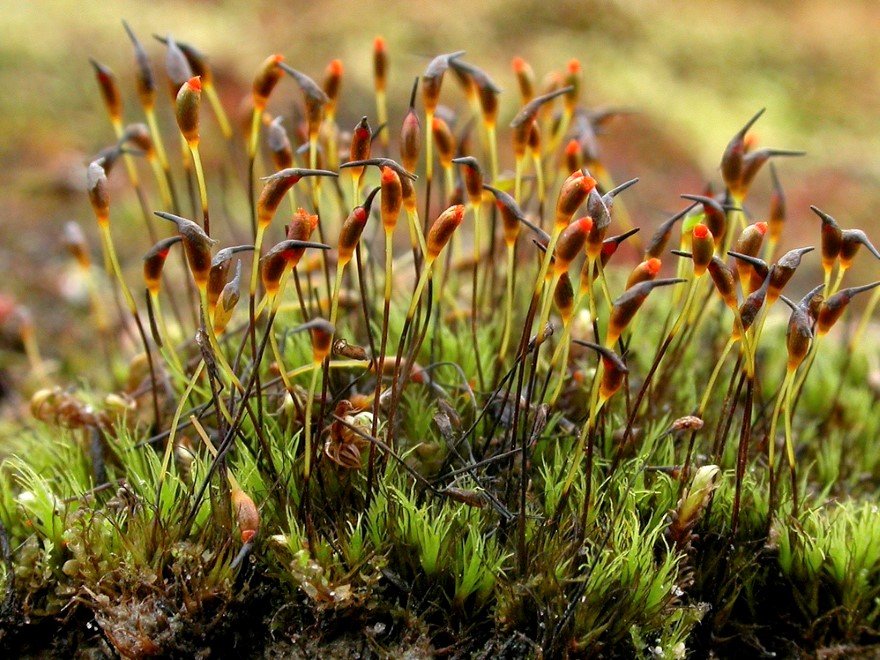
702	231
653	265
360	214
388	175
761	227
335	68
574	66
278	58
247	535
585	224
379	44
195	83
519	65
572	148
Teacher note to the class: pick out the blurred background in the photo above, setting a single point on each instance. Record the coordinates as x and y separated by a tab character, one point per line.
688	75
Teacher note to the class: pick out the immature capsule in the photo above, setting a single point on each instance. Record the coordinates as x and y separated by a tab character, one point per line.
754	160
99	196
197	244
266	78
613	371
660	239
314	97
176	66
442	229
279	145
220	269
524	121
644	272
748	311
321	331
571	242
154	262
725	282
189	100
411	134
850	242
473	178
144	79
625	307
714	216
276	188
109	90
732	160
611	244
352	228
783	270
833	308
246	515
563	297
832	239
702	248
444	140
361	140
282	256
226	300
380	63
525	78
798	337
332	84
432	79
574	190
512	217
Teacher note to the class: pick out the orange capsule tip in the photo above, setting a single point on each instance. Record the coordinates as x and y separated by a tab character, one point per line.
195	83
701	231
379	43
653	265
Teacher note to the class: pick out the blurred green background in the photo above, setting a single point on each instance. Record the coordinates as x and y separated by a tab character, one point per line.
691	74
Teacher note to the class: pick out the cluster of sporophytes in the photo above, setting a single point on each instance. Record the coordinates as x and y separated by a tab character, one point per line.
475	432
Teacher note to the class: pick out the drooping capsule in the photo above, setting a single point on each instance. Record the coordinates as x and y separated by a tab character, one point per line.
276	188
442	229
660	239
613	369
570	243
154	262
644	272
197	245
732	160
573	192
833	307
625	307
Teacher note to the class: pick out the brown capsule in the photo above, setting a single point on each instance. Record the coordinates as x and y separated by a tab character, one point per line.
197	245
725	282
411	134
139	136
644	272
220	269
380	63
197	60
392	198
109	90
798	337
783	270
154	262
512	217
525	78
850	242
473	178
751	239
408	190
282	256
146	82
342	348
574	190
563	297
834	307
625	307
614	370
276	188
99	196
352	228
702	248
487	91
444	140
525	118
246	515
265	80
748	311
611	244
361	138
279	145
570	243
442	229
732	160
714	216
301	226
332	84
752	271
432	79
321	331
75	242
226	301
832	239
660	239
189	100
